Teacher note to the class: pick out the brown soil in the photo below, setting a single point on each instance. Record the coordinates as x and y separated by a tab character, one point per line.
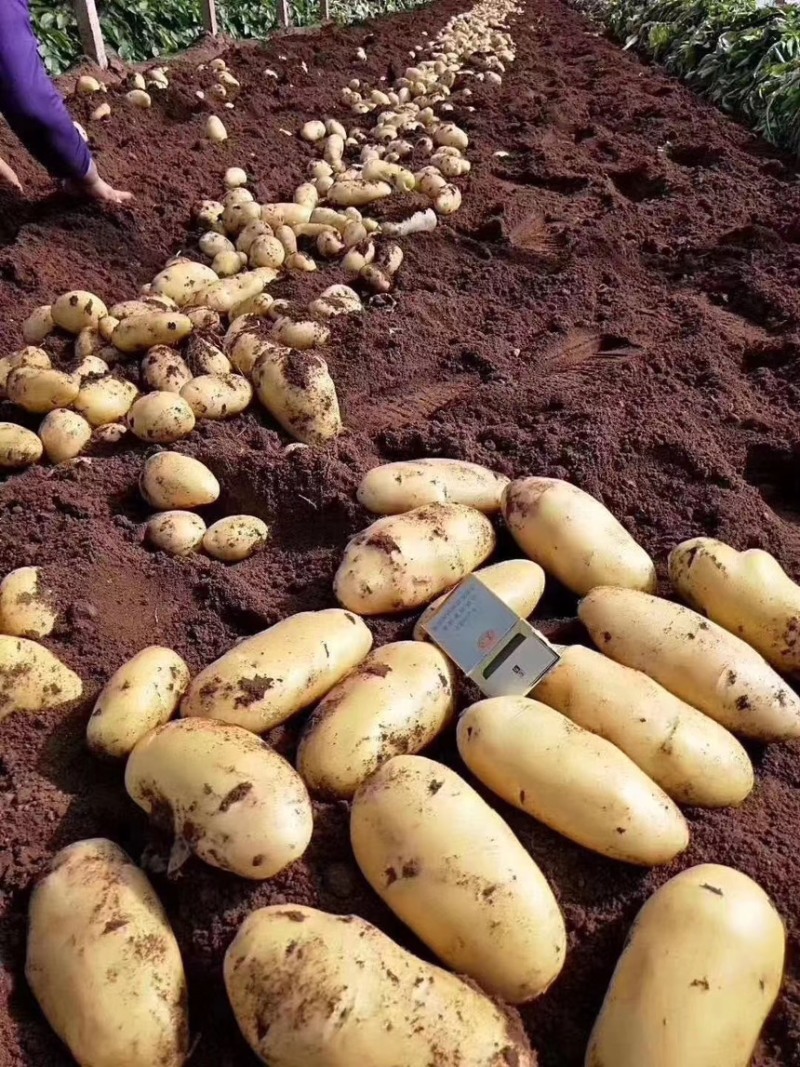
615	304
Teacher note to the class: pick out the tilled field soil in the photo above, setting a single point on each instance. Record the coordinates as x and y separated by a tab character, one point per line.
615	304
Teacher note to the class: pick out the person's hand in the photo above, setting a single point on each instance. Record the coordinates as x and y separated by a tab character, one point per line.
9	175
93	187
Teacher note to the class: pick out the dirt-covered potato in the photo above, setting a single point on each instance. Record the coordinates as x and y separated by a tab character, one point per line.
141	694
42	389
64	434
152	302
29	356
574	537
170	480
27	605
140	332
18	447
180	281
695	659
179	533
694	759
403	561
230	798
452	870
217	396
236	537
299	334
104	400
77	310
32	678
38	325
396	487
573	781
699	974
397	701
225	293
161	417
297	390
267	678
103	963
292	971
204	357
165	370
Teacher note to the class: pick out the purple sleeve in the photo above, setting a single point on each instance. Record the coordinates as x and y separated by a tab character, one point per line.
30	102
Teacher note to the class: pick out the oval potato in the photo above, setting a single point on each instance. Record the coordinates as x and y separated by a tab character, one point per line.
396	487
217	396
170	480
297	390
140	332
267	678
236	537
104	400
38	325
27	606
64	434
231	799
42	389
178	533
18	447
32	678
161	417
574	537
164	370
29	356
182	280
77	310
700	972
203	357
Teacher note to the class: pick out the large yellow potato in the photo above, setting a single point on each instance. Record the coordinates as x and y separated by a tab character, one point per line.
748	593
397	701
315	990
64	434
694	759
267	678
140	332
170	480
41	389
695	659
105	400
27	605
225	293
297	390
103	962
453	871
574	536
699	974
161	417
18	447
141	694
229	797
76	310
401	562
217	396
180	281
32	678
396	487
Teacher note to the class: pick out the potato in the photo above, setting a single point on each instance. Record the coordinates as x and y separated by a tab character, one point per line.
211	244
77	310
573	536
449	134
748	593
694	759
313	131
170	480
215	130
217	396
38	325
453	871
578	784
357	192
448	201
336	300
203	357
700	972
228	264
164	370
161	417
27	606
32	678
139	98
267	678
235	537
236	216
179	533
104	400
518	582
18	447
393	488
396	701
91	367
248	234
694	659
109	434
299	335
248	347
403	561
40	389
25	357
141	694
88	342
230	798
258	306
139	332
235	177
64	435
225	293
286	214
315	990
298	391
182	280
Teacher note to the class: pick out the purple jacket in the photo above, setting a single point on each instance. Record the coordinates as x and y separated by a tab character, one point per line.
30	102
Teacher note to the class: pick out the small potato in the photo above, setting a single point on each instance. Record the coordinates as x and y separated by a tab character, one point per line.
109	434
203	357
402	562
104	400
578	784
32	678
574	537
269	677
452	870
38	325
290	970
397	701
694	659
211	244
163	369
258	305
141	694
178	533
235	537
748	593
140	332
231	799
203	318
397	487
235	177
449	134
699	974
29	356
229	264
182	280
86	85
287	238
448	201
101	112
88	342
64	434
161	417
39	389
103	963
18	447
237	196
301	262
170	480
336	300
246	236
313	131
247	348
91	367
215	129
217	396
77	310
139	98
27	605
298	391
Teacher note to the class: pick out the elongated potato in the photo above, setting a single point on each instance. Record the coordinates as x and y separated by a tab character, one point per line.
453	871
27	605
694	759
42	389
699	974
217	396
104	400
225	293
695	659
32	678
236	537
230	798
161	417
18	447
748	593
298	391
76	310
518	582
403	561
140	332
103	962
141	694
315	990
396	487
64	434
574	537
177	532
170	480
269	677
397	701
182	280
578	784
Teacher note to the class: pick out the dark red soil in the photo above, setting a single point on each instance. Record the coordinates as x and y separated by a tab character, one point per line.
615	304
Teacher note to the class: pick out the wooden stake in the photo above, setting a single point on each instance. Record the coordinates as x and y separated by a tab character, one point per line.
90	33
284	19
209	12
325	10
